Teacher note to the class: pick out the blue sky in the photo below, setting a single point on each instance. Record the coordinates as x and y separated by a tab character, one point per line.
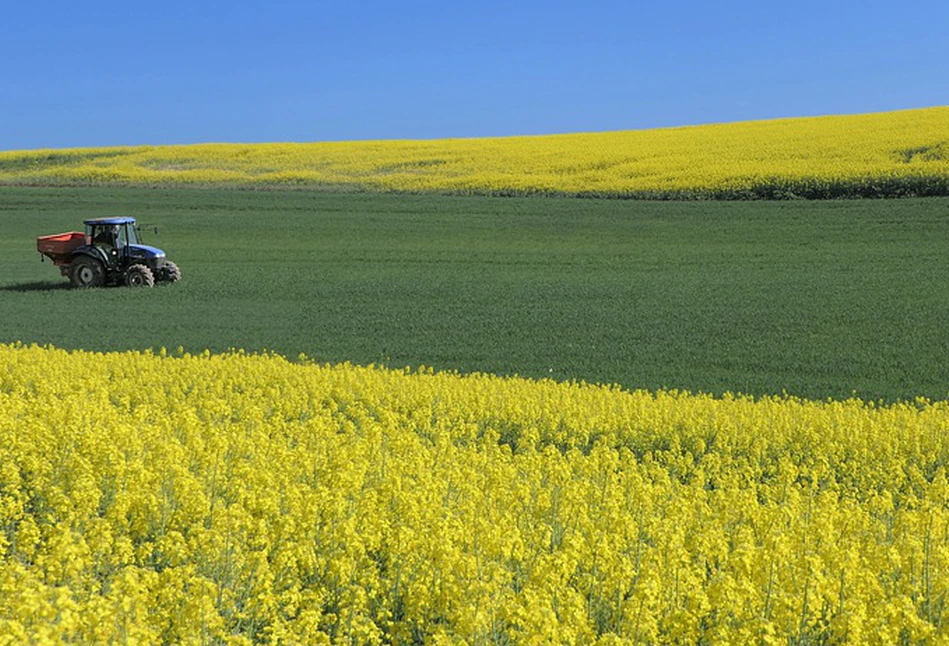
122	73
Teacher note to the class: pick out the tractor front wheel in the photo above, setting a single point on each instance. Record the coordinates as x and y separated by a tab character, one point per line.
86	272
172	272
139	276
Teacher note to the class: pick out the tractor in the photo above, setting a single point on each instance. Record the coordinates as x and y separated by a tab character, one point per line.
110	252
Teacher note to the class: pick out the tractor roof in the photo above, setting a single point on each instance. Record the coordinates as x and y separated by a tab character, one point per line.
116	220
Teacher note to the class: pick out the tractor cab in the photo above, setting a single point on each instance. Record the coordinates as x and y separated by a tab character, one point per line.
118	241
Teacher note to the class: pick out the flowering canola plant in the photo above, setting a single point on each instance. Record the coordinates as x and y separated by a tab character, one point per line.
904	153
244	498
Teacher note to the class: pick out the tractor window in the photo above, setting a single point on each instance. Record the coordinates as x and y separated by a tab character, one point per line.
126	235
103	237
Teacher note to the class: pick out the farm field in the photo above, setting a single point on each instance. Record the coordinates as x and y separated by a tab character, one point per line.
817	299
480	324
244	499
892	154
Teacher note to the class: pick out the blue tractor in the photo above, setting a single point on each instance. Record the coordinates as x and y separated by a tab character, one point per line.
110	252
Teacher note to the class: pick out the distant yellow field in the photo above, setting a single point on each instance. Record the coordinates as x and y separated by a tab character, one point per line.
887	154
244	499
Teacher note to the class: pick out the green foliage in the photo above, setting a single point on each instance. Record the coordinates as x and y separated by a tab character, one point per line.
814	298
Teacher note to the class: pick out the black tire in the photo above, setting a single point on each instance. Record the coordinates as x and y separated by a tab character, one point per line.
86	272
139	276
172	272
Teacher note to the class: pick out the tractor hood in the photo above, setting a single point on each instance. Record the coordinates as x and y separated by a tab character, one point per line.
145	251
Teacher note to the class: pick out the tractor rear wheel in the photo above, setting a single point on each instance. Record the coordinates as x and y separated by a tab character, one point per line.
172	272
139	276
86	272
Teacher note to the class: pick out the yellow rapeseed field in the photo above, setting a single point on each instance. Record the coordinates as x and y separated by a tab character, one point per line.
242	498
885	154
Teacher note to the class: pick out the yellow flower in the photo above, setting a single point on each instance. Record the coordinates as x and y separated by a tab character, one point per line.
243	498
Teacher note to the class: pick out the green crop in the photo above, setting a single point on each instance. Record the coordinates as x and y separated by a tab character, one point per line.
814	298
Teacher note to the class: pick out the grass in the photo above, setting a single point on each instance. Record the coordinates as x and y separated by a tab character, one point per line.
819	299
